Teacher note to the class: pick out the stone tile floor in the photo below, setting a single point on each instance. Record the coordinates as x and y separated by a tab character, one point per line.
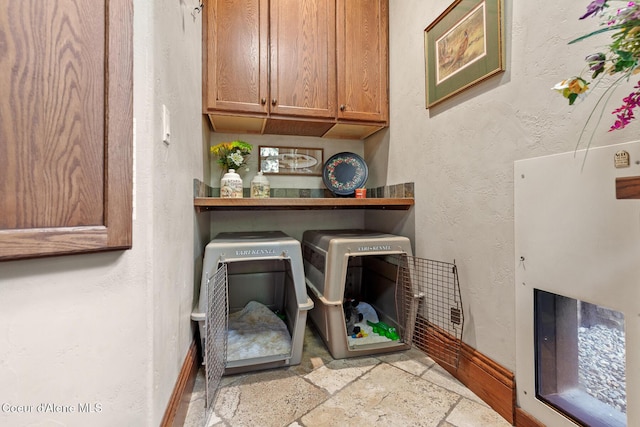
394	389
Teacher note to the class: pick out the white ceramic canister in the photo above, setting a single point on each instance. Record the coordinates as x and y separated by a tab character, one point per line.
260	187
231	185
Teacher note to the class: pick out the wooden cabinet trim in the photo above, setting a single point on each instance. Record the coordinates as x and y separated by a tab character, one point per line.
29	243
119	123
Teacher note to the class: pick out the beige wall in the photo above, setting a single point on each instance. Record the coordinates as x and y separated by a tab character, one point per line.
460	153
175	81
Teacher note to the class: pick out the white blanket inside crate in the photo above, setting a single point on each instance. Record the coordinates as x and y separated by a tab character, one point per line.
256	331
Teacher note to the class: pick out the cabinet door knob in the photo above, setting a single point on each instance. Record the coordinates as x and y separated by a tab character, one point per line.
263	101
274	102
343	107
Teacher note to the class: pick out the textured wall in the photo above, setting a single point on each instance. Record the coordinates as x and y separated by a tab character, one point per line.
70	334
169	60
461	152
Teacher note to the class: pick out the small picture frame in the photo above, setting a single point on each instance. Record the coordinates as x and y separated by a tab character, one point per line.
291	160
463	46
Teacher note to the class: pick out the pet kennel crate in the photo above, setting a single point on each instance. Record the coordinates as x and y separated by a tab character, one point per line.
416	299
354	264
256	310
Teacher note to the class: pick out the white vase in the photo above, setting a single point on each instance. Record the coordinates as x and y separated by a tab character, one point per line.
231	185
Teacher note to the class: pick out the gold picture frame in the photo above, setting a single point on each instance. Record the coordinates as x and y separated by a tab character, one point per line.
291	160
463	47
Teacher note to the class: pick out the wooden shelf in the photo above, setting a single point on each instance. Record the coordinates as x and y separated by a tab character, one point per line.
216	203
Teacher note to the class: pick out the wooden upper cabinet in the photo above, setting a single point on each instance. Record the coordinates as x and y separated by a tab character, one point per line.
236	56
363	58
65	127
285	66
303	74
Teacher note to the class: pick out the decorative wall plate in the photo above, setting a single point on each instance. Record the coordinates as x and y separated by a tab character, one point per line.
344	172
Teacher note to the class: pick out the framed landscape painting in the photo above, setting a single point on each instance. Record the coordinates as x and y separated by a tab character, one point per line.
463	46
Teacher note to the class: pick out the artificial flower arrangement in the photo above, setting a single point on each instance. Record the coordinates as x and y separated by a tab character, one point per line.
232	155
619	60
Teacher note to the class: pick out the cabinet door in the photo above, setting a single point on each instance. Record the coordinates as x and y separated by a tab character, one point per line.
363	60
235	55
65	126
302	39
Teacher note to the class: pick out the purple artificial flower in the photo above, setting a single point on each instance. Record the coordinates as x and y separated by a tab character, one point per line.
629	13
594	7
624	114
596	61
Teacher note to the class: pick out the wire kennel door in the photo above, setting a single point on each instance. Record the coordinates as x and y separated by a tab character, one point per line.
216	332
430	298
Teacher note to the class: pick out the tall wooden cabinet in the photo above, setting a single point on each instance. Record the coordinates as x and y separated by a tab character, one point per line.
65	127
301	67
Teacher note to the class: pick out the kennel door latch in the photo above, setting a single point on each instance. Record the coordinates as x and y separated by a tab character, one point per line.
456	316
